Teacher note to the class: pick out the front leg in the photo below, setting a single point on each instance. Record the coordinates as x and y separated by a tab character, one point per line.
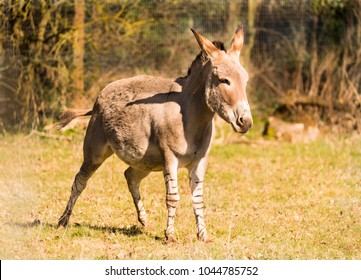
196	177
172	198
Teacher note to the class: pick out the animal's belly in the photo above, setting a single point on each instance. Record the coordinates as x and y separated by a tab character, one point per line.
148	162
136	153
151	158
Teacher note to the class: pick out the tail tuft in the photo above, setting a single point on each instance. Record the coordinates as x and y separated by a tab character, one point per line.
67	116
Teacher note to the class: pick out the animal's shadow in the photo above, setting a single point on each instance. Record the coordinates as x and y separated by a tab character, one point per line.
131	231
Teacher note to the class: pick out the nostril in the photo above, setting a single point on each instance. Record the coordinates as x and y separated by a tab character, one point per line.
244	121
241	121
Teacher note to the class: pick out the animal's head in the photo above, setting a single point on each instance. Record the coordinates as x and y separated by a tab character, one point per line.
226	85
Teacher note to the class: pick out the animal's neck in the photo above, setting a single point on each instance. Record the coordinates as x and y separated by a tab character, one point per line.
198	114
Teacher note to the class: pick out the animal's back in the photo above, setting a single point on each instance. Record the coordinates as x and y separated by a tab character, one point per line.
134	112
135	88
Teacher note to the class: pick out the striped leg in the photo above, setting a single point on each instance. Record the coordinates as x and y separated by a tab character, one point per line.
196	176
172	201
96	151
77	188
133	177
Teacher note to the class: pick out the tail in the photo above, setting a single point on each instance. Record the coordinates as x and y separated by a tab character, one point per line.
67	116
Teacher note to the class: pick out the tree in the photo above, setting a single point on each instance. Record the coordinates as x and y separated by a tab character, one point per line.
78	53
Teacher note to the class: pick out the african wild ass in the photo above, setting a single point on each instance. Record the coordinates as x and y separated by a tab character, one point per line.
159	124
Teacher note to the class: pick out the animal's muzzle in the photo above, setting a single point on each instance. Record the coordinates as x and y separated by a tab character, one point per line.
244	122
243	118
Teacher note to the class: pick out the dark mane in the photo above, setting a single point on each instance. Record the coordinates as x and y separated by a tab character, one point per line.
201	58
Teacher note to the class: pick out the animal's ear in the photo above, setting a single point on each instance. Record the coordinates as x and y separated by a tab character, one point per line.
237	42
206	45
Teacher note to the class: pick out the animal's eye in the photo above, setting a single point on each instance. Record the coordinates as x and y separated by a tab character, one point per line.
225	81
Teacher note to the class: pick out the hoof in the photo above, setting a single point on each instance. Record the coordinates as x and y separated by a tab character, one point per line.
63	222
171	239
207	240
143	221
204	238
148	226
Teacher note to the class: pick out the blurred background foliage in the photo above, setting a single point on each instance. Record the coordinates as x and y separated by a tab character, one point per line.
304	57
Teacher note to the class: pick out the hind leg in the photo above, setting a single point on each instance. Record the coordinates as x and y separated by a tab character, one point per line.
96	151
134	177
79	184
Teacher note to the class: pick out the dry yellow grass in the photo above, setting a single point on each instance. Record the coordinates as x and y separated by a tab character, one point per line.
263	201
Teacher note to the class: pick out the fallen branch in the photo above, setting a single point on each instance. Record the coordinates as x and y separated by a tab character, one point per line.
49	135
294	99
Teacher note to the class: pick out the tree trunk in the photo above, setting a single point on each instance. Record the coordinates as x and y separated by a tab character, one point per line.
78	98
252	12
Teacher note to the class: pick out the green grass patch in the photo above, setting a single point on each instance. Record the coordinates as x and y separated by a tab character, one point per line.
263	200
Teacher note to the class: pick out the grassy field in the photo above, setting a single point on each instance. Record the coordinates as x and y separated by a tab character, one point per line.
264	200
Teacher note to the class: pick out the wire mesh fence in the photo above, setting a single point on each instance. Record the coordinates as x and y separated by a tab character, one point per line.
293	49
